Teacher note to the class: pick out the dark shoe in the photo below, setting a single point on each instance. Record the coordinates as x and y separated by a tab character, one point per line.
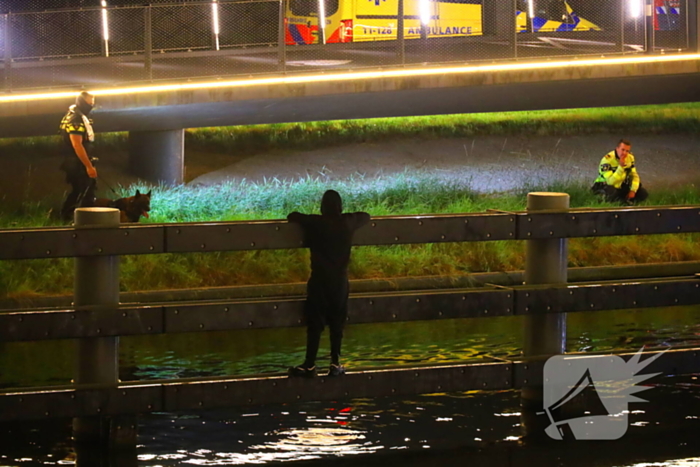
302	371
336	370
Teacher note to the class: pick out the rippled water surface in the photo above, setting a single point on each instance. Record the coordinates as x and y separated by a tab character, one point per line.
429	425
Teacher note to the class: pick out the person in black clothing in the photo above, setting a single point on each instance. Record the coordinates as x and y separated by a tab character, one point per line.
329	237
76	132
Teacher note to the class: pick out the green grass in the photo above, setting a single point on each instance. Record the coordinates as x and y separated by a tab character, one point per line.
407	193
254	139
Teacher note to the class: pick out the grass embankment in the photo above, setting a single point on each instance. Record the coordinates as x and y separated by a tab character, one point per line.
405	194
410	193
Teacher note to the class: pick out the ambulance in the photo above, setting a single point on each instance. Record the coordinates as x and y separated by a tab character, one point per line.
343	21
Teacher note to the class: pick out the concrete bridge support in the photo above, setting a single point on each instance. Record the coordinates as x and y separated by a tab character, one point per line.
158	156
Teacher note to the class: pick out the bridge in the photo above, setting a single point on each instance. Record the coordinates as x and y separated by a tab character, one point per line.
242	82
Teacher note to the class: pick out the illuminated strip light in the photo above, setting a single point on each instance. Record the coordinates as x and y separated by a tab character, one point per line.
339	77
215	19
424	6
105	27
636	8
531	14
322	20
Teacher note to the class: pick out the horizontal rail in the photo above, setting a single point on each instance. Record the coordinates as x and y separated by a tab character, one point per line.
196	394
391	230
28	325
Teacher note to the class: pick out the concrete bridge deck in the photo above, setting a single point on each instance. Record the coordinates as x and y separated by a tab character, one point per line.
157	114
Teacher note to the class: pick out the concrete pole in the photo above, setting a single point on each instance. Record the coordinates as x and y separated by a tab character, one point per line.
158	156
545	333
96	283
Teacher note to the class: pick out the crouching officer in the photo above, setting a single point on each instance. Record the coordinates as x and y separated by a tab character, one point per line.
618	179
76	132
329	237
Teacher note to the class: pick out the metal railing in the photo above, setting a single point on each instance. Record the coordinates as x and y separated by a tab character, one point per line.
110	45
97	320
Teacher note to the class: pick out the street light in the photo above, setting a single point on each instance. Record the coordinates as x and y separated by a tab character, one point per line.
215	20
322	20
105	27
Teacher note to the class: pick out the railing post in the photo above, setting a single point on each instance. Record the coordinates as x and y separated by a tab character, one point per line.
148	42
282	37
96	284
8	51
545	333
401	34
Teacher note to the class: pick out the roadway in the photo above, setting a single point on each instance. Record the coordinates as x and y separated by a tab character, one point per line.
76	72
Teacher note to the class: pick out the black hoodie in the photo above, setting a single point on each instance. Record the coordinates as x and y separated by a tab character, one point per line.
329	236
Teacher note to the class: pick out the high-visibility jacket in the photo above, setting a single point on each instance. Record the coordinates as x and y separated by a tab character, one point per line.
611	172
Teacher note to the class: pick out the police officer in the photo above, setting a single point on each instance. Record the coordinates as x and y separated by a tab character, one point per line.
77	134
618	180
329	237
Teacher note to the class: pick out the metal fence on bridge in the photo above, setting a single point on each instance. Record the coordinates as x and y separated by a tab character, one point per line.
107	45
107	322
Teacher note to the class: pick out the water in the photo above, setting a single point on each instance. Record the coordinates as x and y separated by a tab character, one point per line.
430	429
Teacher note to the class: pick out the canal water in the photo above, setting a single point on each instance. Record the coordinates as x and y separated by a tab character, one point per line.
419	430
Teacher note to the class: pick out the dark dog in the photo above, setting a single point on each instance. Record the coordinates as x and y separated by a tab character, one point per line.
130	209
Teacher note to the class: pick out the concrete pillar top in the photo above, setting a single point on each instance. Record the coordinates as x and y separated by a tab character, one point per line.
106	217
543	200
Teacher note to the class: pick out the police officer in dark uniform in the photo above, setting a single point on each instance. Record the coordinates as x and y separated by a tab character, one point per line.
329	237
77	134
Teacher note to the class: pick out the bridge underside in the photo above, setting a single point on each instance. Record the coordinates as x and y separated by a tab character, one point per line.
572	85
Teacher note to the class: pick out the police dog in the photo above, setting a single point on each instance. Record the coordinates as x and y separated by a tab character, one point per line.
130	209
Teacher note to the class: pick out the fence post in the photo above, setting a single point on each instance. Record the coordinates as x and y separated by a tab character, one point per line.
545	333
649	26
8	52
515	29
282	38
96	284
148	42
622	26
401	34
693	24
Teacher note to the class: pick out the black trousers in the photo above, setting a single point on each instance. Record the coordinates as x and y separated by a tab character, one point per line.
614	195
326	304
83	187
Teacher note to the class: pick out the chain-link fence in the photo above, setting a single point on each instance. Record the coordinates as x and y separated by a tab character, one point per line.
109	43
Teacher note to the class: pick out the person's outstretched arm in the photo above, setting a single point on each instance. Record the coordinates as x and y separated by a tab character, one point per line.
357	219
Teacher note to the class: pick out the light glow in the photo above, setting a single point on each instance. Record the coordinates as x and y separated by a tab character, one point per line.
353	76
635	8
105	27
322	20
424	6
215	20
